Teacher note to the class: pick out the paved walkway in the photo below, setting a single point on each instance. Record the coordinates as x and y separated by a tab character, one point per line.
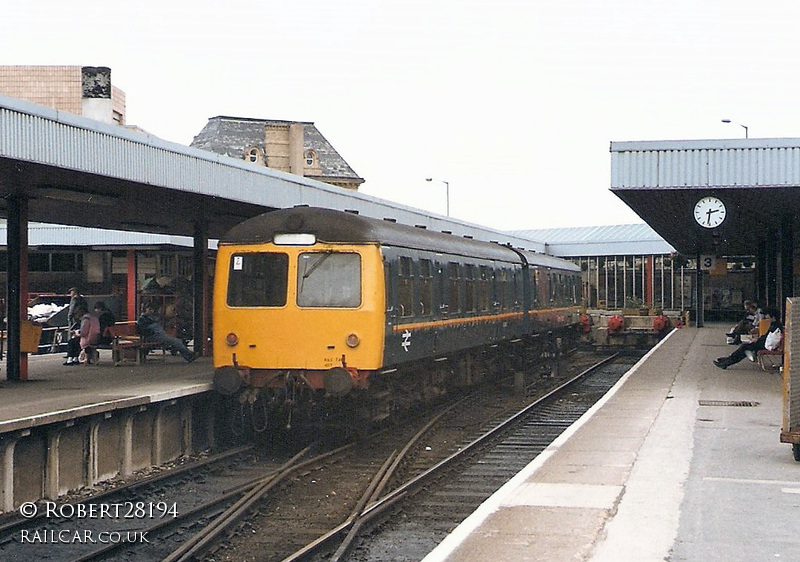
661	470
54	392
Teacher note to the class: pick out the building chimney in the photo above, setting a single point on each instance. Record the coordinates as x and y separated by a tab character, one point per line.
96	99
296	162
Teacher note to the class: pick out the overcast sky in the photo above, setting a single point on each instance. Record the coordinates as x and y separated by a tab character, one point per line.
513	102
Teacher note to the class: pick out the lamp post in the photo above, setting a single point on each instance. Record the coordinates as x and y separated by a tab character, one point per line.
447	186
746	135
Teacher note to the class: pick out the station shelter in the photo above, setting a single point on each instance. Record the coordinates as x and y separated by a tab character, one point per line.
629	266
58	168
720	202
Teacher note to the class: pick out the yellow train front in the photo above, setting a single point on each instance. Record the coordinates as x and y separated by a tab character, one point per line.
319	311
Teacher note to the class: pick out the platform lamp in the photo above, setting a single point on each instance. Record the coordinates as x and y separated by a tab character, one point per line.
746	135
447	186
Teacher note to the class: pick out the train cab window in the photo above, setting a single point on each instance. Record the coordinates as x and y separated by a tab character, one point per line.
405	287
453	288
329	279
425	287
469	285
258	279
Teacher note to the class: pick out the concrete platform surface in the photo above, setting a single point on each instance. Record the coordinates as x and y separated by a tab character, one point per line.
54	392
681	461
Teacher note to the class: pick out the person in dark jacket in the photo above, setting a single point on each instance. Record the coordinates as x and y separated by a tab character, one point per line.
149	327
76	298
770	340
107	320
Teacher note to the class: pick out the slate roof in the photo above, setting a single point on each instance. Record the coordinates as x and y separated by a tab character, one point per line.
231	136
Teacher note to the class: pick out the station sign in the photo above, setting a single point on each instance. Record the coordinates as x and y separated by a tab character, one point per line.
713	264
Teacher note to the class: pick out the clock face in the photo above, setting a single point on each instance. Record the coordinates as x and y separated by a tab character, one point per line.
709	212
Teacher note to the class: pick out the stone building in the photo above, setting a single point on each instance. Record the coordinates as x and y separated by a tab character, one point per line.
289	146
80	90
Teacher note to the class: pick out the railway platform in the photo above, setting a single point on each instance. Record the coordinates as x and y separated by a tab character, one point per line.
71	427
55	393
680	461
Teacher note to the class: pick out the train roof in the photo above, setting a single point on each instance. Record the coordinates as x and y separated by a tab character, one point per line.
332	226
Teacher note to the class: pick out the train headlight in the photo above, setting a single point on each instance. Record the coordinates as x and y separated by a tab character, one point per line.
352	340
231	339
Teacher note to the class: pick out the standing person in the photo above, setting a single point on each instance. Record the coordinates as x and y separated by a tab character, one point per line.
106	318
770	340
149	327
84	338
76	298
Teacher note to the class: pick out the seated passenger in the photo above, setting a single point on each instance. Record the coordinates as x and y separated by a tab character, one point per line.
771	340
80	347
107	320
752	315
150	329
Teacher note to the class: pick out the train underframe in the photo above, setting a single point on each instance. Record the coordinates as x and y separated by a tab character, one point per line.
270	401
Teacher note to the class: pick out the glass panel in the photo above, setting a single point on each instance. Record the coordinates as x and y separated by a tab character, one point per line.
258	279
469	292
38	262
426	287
405	288
329	279
483	288
454	288
63	262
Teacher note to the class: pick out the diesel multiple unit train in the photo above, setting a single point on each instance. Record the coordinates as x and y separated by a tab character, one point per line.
319	311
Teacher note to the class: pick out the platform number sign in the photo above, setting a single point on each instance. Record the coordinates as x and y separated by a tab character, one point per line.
707	263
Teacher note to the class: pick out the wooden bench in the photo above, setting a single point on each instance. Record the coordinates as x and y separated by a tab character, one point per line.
129	347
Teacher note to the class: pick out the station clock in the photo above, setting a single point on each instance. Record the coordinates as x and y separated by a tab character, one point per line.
709	212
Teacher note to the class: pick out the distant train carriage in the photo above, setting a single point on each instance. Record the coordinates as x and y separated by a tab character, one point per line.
311	304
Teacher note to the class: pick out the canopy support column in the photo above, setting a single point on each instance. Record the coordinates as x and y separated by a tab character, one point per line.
200	282
16	285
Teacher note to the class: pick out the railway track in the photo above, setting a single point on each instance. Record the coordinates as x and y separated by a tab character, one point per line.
425	518
459	459
318	503
97	525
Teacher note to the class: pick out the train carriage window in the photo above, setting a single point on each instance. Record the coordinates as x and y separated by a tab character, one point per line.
329	279
518	291
484	287
453	288
405	287
504	293
469	283
258	279
426	287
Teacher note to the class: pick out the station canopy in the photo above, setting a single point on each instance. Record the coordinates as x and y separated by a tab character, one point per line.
677	186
